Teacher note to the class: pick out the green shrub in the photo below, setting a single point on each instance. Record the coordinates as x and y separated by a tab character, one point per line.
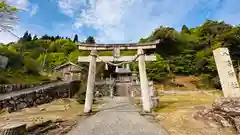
31	66
4	80
82	92
81	97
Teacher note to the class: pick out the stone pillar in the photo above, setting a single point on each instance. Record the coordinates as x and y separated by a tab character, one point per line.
111	91
226	73
151	92
144	82
155	103
132	93
90	83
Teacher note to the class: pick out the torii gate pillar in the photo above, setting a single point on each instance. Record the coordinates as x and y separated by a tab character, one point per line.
90	83
144	81
141	61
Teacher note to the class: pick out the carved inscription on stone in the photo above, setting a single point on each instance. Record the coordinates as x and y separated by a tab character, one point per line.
226	73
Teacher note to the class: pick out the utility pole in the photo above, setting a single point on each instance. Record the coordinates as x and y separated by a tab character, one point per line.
44	59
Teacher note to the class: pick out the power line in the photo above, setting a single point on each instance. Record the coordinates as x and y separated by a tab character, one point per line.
6	30
13	34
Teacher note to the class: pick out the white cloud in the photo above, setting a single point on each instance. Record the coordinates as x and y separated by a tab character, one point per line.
34	9
125	20
67	31
20	4
128	20
69	7
6	37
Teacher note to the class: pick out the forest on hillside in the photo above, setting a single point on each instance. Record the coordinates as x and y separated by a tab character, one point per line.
190	51
186	52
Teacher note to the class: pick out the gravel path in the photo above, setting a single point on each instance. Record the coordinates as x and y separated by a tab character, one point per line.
117	117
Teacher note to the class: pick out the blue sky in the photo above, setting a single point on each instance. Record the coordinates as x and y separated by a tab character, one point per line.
116	21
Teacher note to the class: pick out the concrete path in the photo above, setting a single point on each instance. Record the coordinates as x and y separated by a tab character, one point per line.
117	117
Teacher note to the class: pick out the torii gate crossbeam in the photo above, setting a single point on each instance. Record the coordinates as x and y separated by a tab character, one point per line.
111	58
93	58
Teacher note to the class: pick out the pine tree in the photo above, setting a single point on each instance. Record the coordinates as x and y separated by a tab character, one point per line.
52	38
90	40
45	37
29	37
57	37
185	29
75	40
35	37
25	37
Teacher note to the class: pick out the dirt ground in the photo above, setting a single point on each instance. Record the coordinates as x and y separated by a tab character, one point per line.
177	111
63	112
191	83
175	114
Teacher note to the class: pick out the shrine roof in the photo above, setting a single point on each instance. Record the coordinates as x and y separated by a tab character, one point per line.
67	64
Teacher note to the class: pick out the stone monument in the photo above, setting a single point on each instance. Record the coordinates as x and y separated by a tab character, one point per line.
226	73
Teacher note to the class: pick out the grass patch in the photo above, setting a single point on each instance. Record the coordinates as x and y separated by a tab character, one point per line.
17	77
176	113
173	102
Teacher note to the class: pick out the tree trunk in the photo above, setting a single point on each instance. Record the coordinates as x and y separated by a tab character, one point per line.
14	129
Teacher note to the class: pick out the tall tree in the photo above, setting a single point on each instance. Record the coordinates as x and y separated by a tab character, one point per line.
46	37
57	37
7	17
29	37
90	40
35	37
25	37
185	29
52	38
75	40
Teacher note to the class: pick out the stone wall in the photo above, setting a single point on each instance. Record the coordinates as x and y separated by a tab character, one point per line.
104	88
42	96
5	88
136	89
136	92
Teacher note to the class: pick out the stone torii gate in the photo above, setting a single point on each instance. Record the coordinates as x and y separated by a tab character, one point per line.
140	57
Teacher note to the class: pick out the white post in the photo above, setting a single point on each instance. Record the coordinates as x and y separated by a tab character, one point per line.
90	83
226	73
144	82
151	92
111	92
132	93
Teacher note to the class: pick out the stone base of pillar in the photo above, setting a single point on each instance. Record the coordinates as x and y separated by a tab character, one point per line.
155	103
